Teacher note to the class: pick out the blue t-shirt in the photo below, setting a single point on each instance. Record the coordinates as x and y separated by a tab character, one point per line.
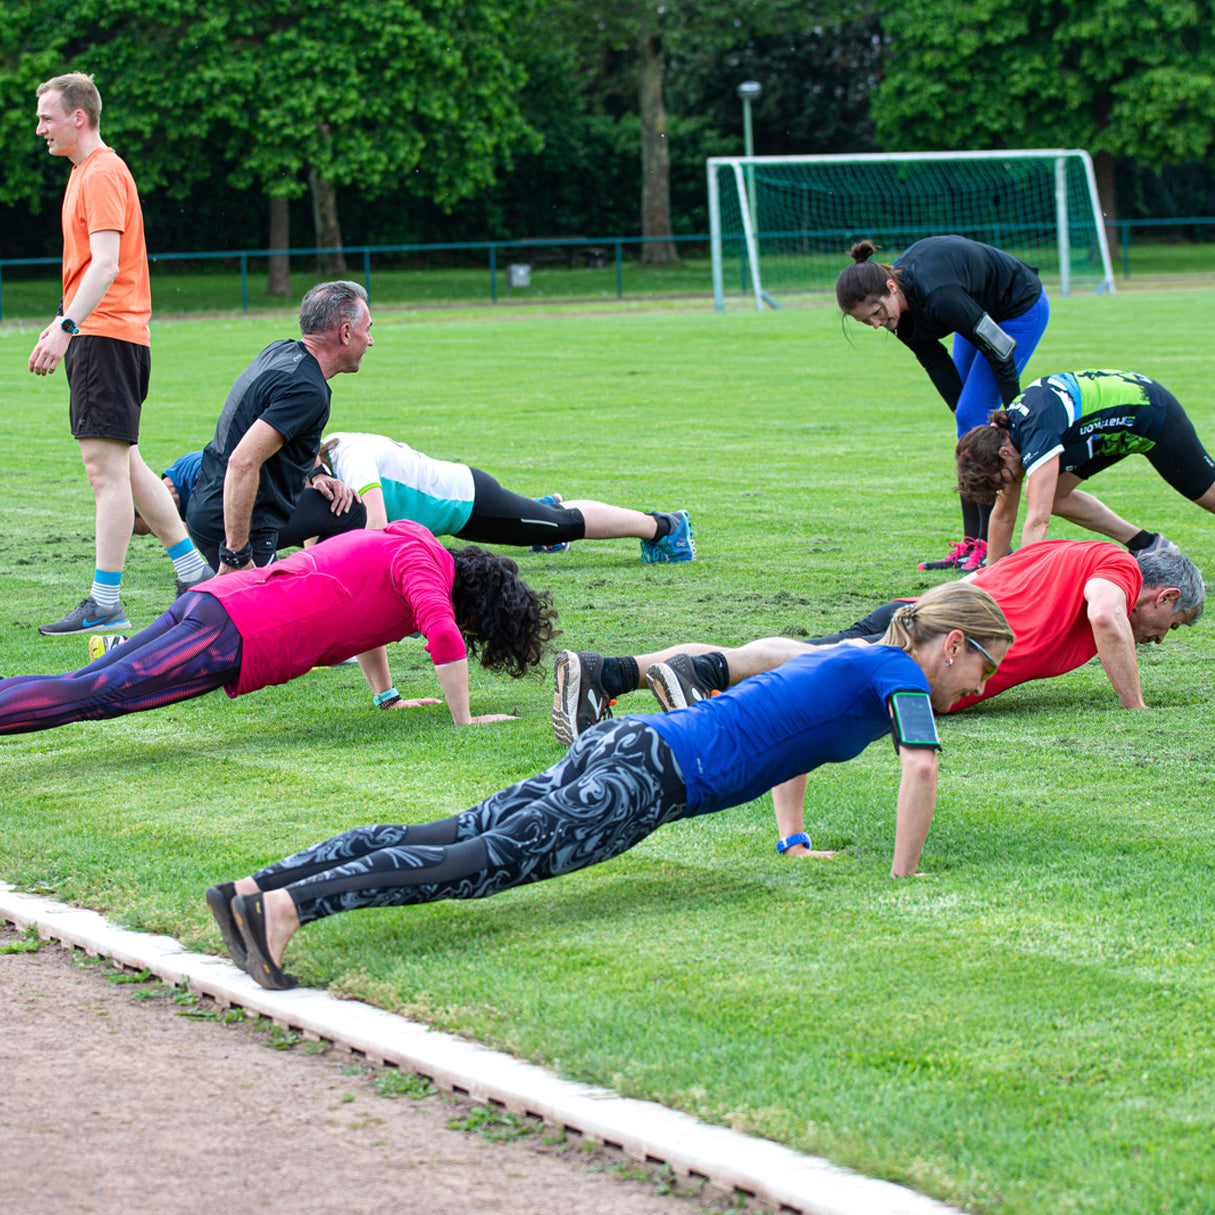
823	707
183	472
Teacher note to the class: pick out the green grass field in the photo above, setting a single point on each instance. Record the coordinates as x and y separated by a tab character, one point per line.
1028	1028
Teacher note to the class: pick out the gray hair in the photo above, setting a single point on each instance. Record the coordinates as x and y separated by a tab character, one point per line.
329	305
1171	567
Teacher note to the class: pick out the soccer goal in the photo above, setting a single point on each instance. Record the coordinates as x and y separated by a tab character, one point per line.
785	223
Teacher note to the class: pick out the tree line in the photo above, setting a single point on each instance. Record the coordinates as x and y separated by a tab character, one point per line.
280	123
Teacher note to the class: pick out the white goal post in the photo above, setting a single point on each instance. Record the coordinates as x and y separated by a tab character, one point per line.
787	222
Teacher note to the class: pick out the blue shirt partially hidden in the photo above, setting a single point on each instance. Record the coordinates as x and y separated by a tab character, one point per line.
823	707
183	472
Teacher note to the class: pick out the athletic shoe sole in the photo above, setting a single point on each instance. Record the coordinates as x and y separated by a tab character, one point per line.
567	684
664	683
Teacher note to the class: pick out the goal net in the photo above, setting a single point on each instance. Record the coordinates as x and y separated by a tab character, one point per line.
785	223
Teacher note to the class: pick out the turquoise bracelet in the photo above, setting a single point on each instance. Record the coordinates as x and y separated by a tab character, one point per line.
385	700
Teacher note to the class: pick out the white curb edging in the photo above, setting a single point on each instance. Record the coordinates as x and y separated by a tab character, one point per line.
776	1176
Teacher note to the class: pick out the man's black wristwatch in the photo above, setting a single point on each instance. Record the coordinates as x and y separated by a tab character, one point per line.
241	557
69	326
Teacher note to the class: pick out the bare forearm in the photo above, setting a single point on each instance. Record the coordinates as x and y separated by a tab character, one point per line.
453	679
374	665
913	816
93	286
789	804
1116	649
240	493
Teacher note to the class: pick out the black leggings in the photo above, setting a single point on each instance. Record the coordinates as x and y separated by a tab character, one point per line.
500	516
311	517
616	784
869	628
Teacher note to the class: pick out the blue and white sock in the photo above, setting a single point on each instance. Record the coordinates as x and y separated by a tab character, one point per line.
187	560
106	584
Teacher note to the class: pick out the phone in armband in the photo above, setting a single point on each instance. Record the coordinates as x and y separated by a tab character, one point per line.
995	339
912	720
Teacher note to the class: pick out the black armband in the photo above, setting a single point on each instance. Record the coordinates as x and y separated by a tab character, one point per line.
912	722
993	341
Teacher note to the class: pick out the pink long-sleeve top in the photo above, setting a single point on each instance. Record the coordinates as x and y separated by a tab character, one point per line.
350	594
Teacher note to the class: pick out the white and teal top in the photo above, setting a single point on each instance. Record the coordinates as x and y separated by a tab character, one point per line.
438	494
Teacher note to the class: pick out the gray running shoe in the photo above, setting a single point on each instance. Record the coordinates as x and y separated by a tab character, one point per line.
86	618
579	700
188	584
1159	545
675	683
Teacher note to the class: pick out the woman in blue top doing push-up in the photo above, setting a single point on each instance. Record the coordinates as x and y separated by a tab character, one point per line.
625	777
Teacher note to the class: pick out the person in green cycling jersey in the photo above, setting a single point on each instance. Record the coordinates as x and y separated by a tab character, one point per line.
1064	429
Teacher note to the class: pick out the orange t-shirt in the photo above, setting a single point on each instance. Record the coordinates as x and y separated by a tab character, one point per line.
101	197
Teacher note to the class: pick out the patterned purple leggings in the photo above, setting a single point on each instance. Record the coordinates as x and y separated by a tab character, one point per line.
193	648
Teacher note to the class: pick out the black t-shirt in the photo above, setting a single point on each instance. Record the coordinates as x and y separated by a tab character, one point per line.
285	388
950	282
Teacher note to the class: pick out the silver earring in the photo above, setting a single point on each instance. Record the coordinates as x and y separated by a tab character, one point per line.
949	662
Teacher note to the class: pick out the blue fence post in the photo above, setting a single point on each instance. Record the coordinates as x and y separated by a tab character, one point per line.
619	270
244	281
367	272
493	274
1124	233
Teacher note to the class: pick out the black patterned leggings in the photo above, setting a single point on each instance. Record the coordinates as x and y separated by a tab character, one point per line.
615	785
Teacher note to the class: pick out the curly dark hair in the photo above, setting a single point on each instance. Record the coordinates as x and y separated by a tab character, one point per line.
505	622
980	468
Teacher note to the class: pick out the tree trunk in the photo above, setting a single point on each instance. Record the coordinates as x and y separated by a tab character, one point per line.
331	262
278	281
655	155
1103	170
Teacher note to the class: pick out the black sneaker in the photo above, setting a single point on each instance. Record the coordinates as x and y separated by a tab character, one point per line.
188	584
676	685
954	559
579	700
86	618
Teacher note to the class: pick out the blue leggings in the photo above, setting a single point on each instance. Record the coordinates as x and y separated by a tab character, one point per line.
192	649
980	392
616	784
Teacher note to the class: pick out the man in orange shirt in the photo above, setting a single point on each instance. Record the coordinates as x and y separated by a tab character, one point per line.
101	337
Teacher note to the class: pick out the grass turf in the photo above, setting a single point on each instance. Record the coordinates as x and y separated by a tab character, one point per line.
1027	1028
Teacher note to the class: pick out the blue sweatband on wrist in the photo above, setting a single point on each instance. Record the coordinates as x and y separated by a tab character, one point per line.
799	837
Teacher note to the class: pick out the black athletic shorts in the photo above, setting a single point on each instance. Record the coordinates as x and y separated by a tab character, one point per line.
1178	455
108	381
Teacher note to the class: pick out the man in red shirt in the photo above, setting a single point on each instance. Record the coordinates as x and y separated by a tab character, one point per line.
101	337
1066	601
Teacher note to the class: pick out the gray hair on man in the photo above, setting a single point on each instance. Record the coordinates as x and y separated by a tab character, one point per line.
1171	567
328	305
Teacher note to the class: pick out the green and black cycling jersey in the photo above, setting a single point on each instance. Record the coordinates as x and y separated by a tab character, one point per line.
1087	416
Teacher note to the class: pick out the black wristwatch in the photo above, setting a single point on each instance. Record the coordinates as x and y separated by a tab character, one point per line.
240	557
69	326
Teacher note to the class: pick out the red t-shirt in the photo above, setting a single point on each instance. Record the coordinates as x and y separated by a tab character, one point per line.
330	602
101	197
1040	589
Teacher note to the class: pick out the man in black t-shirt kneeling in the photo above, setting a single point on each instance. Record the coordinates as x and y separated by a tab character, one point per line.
264	452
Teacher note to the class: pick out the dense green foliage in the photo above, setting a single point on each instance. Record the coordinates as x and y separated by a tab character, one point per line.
1128	77
442	121
1025	1030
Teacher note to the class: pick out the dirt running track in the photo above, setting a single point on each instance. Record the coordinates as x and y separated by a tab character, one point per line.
113	1102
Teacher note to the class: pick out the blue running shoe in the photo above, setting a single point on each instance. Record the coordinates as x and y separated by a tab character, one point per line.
676	545
551	500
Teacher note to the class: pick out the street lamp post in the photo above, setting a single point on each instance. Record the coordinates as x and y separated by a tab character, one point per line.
748	91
